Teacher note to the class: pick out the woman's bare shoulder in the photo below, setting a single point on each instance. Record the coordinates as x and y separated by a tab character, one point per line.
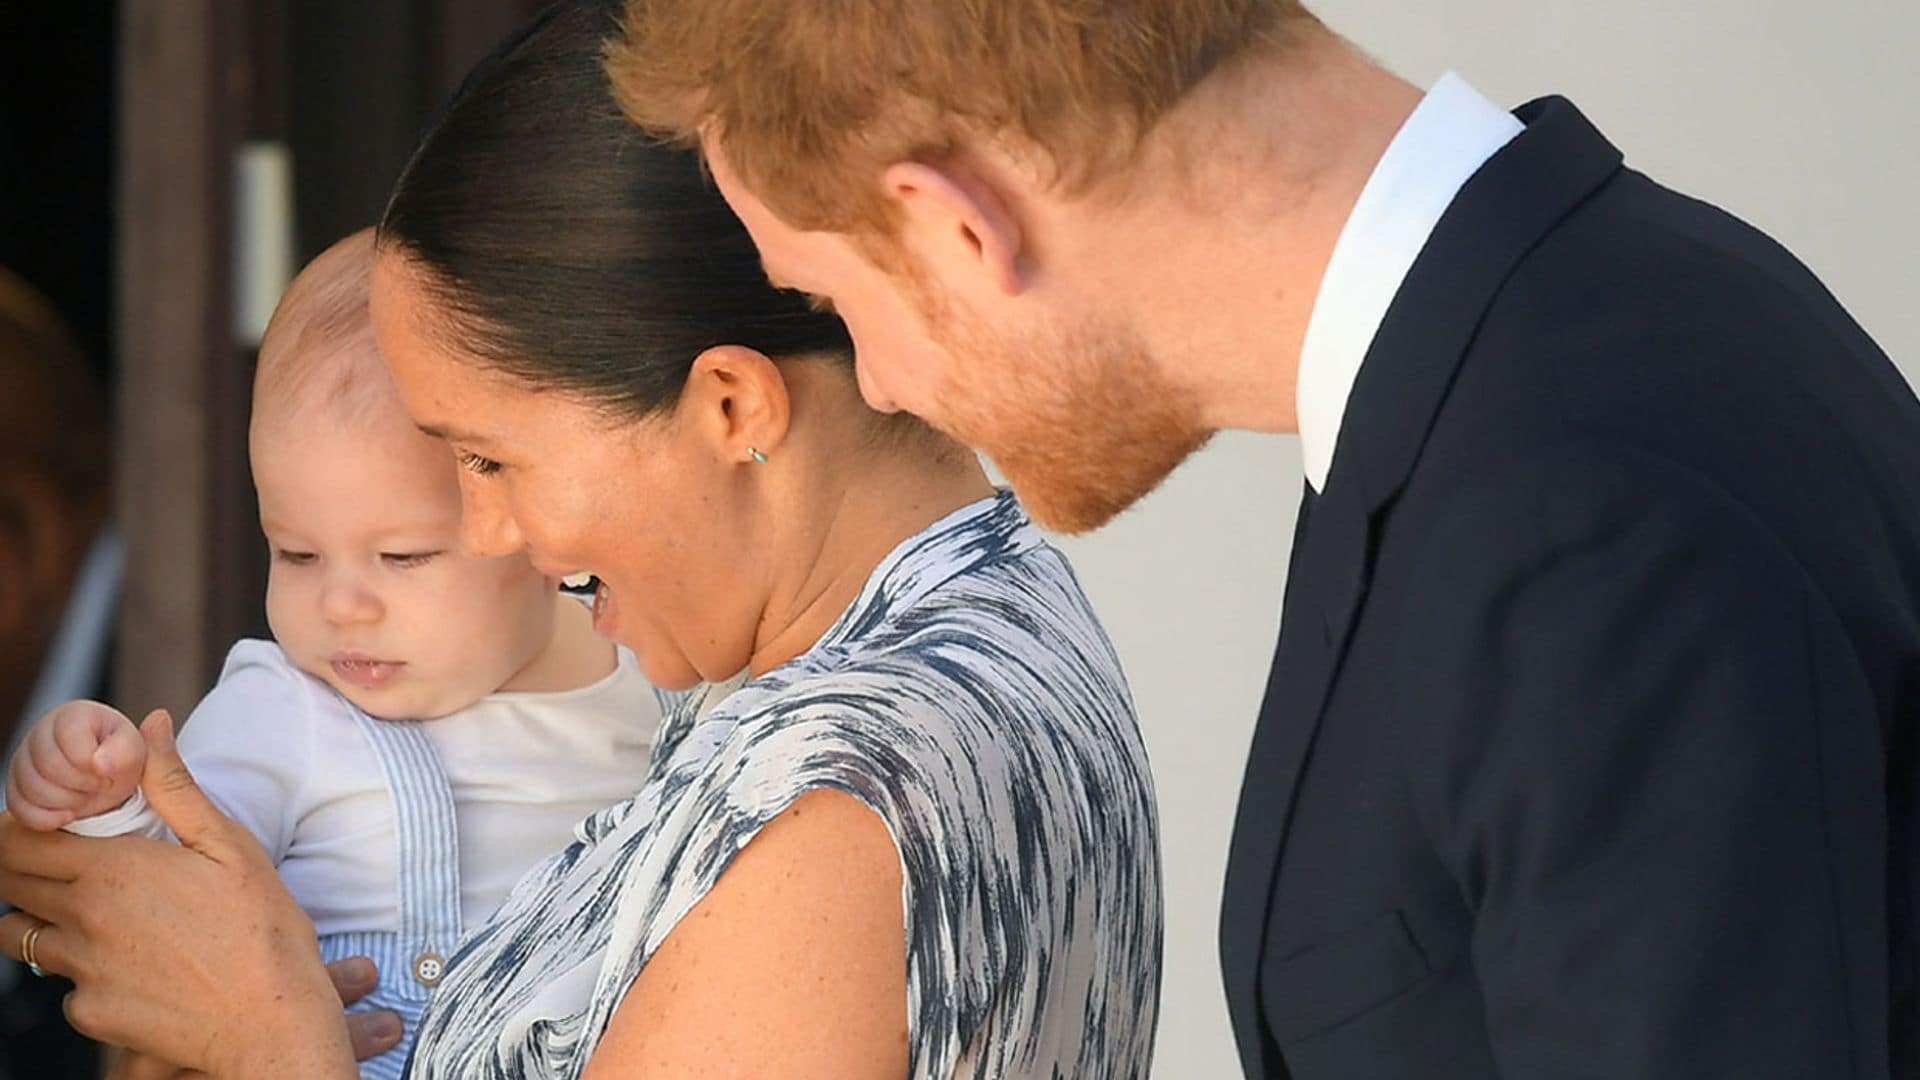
793	964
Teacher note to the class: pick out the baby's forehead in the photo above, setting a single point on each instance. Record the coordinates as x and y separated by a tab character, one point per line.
319	349
314	383
367	475
343	402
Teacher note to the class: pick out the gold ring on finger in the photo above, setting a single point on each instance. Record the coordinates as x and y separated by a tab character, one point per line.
28	941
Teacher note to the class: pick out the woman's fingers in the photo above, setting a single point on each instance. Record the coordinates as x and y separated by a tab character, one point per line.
38	898
373	1033
13	929
31	852
129	1065
111	1018
50	947
194	953
354	978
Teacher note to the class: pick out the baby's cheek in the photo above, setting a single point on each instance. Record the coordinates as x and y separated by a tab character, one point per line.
284	619
481	653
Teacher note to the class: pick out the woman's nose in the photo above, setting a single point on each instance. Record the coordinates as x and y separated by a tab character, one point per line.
486	529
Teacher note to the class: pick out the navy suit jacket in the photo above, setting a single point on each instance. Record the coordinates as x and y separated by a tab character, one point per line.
1588	749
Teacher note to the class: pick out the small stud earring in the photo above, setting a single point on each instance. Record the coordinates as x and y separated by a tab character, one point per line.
758	457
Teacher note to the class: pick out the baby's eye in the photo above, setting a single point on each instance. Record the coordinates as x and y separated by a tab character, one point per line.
293	558
407	559
478	465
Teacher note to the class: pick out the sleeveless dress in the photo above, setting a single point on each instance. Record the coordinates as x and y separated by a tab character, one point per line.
971	700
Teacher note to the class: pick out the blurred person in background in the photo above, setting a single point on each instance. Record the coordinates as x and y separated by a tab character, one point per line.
60	570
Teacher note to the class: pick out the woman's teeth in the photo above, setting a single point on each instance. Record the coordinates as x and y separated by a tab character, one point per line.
602	606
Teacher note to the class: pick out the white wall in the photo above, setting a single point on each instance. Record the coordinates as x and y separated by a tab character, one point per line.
1798	116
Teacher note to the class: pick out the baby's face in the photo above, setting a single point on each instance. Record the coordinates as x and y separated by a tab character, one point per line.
369	589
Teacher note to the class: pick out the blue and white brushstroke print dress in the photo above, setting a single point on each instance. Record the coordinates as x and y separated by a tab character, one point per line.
970	698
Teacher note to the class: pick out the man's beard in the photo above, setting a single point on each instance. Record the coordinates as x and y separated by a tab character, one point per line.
1081	422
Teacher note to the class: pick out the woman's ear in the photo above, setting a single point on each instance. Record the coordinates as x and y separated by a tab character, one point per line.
960	225
736	400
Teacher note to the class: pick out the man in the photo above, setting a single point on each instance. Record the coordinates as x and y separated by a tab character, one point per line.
59	583
1588	747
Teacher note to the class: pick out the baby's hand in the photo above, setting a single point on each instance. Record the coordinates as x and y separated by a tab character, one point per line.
83	758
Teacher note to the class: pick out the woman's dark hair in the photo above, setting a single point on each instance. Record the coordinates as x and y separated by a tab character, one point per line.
569	250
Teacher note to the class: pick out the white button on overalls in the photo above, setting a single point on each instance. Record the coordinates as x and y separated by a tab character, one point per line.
427	968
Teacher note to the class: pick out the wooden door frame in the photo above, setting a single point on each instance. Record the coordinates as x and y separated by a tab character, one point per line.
176	130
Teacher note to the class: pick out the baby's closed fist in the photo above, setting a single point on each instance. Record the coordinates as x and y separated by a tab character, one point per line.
81	759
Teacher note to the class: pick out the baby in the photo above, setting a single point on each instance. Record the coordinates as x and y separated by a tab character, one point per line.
392	834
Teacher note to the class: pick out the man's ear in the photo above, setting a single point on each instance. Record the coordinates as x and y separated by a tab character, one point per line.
736	401
959	223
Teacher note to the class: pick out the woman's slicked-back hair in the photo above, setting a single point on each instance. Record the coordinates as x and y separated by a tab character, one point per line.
565	248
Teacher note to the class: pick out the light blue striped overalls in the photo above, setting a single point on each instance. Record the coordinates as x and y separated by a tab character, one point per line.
411	961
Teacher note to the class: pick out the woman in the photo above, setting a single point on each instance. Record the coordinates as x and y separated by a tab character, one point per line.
903	826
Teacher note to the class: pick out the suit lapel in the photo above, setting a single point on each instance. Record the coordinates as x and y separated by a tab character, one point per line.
1324	587
1506	209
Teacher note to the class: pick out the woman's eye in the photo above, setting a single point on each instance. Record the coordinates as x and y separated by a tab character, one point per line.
404	560
478	465
293	558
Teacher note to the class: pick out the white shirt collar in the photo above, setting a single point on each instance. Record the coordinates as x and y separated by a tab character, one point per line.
1449	136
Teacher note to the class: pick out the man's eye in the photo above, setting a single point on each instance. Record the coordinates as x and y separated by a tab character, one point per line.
478	465
293	558
407	559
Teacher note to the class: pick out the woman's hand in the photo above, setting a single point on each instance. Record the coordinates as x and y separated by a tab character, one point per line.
372	1033
194	954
